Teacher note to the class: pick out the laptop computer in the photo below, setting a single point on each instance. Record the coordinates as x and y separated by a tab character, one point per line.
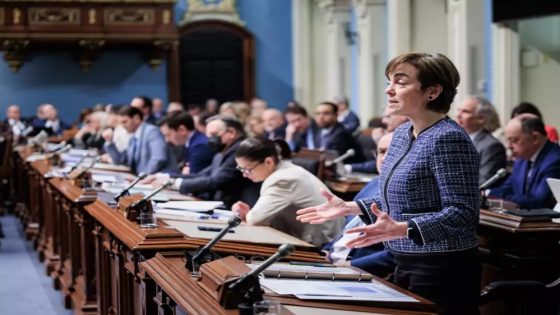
554	185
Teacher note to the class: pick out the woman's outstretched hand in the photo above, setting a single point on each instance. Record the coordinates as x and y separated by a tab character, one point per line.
332	209
384	229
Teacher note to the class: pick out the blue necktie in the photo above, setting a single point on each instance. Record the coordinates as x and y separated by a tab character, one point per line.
132	153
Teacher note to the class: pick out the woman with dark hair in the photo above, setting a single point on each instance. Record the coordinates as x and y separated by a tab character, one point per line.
285	189
426	210
530	108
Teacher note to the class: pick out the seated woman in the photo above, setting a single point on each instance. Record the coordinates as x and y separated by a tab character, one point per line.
286	188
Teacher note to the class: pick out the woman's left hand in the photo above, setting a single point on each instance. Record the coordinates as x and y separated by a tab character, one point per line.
384	229
241	209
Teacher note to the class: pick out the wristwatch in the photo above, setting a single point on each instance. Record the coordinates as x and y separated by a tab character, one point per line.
413	233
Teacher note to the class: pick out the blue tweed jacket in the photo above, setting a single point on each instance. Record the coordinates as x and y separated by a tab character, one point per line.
433	181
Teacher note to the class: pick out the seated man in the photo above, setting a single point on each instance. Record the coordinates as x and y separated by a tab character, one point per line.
274	125
373	259
13	120
51	120
332	135
473	115
220	181
301	130
536	159
146	152
197	155
346	117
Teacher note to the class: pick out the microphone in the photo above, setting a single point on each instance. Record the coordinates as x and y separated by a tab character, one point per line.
233	222
59	147
124	192
153	193
501	173
341	158
80	161
283	251
95	160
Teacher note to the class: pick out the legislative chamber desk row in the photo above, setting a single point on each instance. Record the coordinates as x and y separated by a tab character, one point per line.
105	264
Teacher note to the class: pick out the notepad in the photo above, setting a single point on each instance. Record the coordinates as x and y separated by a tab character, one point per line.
196	206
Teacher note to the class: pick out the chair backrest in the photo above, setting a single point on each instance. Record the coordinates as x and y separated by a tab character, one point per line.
311	160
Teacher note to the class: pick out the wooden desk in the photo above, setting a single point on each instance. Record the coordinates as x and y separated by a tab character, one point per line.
176	292
513	248
121	245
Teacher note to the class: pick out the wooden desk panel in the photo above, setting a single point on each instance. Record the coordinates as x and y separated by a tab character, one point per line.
177	292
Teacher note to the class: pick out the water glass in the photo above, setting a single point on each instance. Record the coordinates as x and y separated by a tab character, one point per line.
148	220
267	307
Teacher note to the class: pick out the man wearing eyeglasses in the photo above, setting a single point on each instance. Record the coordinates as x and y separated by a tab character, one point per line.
536	159
220	181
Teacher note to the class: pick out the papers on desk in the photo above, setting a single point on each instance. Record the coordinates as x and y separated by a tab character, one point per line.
219	216
283	270
194	206
243	233
359	177
105	178
336	290
35	157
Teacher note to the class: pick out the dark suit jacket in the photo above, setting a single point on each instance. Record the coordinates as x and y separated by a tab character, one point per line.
340	140
351	122
538	193
222	181
300	139
41	124
278	133
492	155
198	154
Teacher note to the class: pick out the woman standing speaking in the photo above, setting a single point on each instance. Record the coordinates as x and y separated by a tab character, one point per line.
427	207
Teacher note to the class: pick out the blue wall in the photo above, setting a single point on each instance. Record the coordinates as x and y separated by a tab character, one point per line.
116	77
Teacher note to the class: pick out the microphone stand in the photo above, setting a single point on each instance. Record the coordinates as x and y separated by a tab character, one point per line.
203	253
126	191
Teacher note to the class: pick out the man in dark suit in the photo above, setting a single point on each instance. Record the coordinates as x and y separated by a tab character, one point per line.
145	105
197	155
147	151
13	120
220	181
301	130
536	159
346	117
473	114
51	120
332	135
274	125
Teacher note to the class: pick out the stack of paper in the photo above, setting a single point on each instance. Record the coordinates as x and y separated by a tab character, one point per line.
336	290
194	206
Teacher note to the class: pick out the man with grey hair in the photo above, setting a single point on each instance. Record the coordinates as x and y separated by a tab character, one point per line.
346	117
13	120
473	115
536	159
274	125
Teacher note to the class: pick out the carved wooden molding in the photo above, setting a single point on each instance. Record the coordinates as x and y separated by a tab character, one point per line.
54	16
143	16
15	53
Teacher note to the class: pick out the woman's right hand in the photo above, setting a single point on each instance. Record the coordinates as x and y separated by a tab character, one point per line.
332	209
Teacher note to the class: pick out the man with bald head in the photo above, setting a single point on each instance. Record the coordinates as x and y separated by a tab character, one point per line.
274	125
536	159
13	120
51	120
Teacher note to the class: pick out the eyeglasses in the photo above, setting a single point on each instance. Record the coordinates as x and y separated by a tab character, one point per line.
247	170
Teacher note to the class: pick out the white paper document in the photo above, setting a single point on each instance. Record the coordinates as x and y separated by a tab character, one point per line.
335	290
196	206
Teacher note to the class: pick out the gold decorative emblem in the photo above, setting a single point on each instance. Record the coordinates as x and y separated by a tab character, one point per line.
225	10
166	17
92	14
129	16
17	16
54	16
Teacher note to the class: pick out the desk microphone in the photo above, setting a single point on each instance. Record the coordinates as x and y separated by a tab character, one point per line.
59	147
80	161
283	251
153	193
95	160
124	192
501	173
341	158
233	222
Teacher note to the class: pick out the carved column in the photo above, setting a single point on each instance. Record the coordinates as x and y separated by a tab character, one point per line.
337	17
398	27
371	57
465	24
505	68
302	52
